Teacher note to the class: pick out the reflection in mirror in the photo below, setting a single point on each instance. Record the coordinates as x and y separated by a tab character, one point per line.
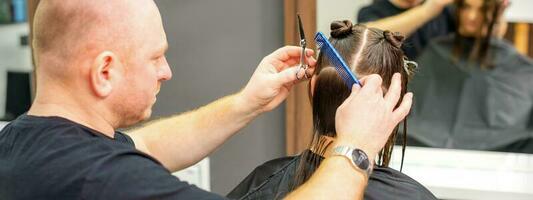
473	89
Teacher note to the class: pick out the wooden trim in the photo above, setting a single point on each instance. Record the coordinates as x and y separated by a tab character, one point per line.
521	34
299	125
521	37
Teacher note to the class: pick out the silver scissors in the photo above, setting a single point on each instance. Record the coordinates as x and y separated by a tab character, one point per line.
303	44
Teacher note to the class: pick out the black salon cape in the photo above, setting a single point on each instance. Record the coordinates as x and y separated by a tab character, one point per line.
459	105
272	179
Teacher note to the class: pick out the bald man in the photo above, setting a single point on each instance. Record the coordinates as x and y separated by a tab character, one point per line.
100	65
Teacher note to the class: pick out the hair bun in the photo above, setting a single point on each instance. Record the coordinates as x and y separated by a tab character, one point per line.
341	29
394	38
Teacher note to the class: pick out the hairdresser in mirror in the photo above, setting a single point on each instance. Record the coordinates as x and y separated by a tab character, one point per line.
420	21
67	146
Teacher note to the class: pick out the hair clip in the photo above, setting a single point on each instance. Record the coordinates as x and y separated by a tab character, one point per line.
409	66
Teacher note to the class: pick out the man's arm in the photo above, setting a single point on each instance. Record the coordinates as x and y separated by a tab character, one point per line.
183	140
409	21
365	121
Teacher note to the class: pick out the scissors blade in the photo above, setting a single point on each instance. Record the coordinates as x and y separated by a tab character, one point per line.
301	28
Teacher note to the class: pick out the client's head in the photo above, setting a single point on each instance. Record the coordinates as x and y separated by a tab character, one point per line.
475	17
366	51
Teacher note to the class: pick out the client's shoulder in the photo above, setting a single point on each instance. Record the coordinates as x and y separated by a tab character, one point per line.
266	179
507	56
388	183
278	164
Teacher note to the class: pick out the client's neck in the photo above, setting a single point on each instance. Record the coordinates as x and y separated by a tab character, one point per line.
323	146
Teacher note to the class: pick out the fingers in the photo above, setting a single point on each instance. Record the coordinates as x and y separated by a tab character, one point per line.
355	90
394	92
401	112
372	83
311	61
292	62
290	55
288	75
288	52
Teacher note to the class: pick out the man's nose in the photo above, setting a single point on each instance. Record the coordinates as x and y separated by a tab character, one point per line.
164	72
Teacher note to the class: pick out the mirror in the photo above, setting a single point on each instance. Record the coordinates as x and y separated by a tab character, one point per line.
465	98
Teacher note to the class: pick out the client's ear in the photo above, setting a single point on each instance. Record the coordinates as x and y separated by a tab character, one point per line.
105	70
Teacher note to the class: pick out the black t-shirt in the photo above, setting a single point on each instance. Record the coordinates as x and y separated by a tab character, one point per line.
441	25
54	158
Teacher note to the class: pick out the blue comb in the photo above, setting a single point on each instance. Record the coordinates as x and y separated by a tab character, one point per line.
342	68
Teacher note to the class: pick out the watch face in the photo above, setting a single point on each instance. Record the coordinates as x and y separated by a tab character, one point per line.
360	159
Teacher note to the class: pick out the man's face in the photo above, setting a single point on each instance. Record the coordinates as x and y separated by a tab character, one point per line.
471	18
146	67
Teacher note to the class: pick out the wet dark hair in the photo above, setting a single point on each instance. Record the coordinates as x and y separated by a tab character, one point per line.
366	51
480	52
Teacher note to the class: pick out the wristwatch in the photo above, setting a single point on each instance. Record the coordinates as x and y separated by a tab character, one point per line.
358	157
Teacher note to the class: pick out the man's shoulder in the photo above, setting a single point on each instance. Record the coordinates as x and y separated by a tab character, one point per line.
399	185
59	145
58	141
57	132
265	177
56	157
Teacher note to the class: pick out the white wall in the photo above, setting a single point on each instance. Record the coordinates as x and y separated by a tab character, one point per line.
520	11
215	47
328	11
13	57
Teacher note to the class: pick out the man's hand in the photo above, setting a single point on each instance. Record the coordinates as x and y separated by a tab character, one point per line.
436	6
367	118
273	79
500	27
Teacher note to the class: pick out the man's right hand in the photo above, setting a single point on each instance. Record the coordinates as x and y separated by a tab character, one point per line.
367	117
436	6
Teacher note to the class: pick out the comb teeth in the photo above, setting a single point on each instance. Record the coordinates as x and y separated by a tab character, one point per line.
340	66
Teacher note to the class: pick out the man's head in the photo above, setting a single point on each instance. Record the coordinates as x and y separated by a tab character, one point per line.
109	56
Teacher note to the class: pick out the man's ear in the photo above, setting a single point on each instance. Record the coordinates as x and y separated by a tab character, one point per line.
105	70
